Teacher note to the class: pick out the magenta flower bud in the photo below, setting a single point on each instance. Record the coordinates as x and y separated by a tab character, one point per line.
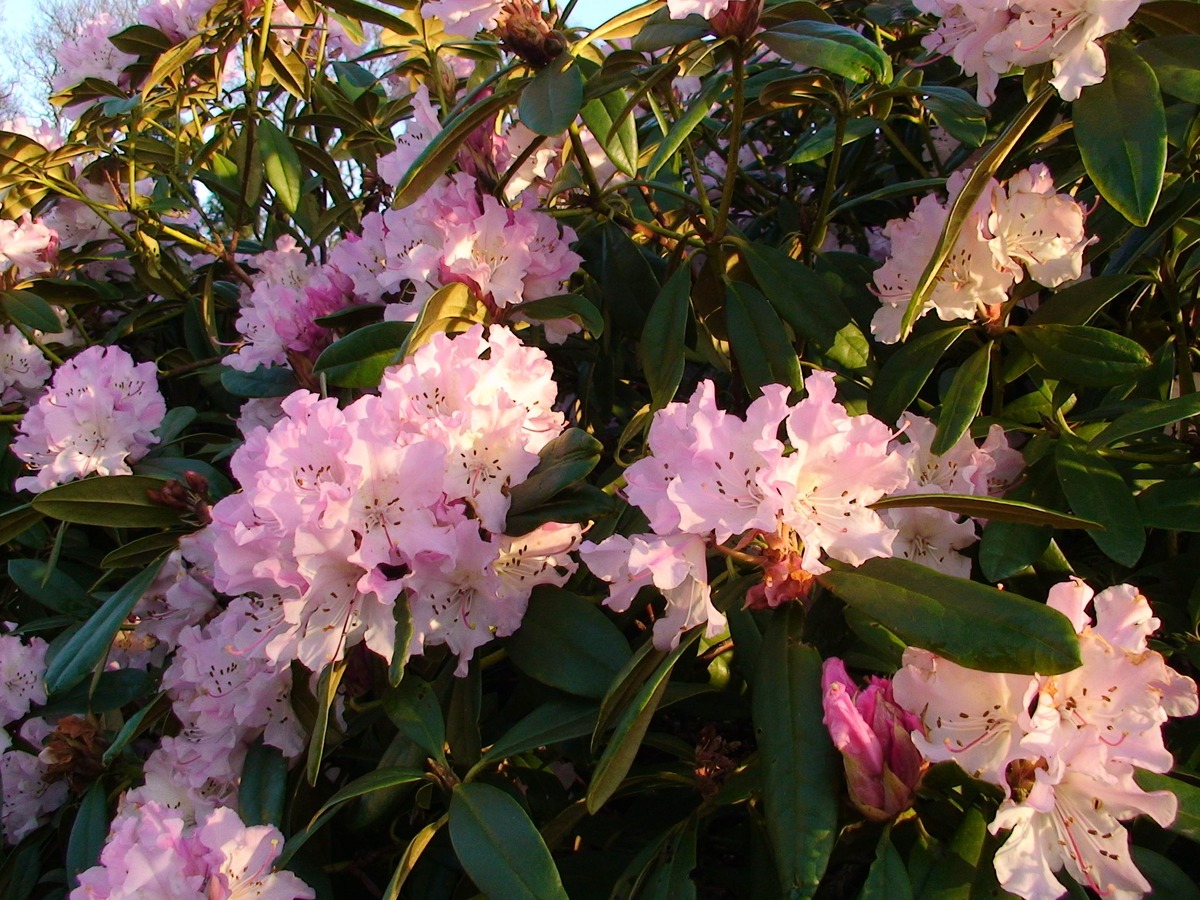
873	734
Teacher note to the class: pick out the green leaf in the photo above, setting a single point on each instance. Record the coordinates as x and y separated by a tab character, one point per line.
452	309
30	310
834	48
662	31
111	690
553	97
1166	879
670	877
413	708
117	501
820	143
801	784
411	856
994	509
578	504
953	875
132	727
621	143
263	790
956	111
1077	304
17	521
962	400
1152	416
685	125
326	695
565	306
663	342
358	359
1172	505
88	646
141	552
1097	491
968	623
634	717
369	12
380	780
564	461
281	164
1080	354
1121	131
499	847
550	723
88	832
759	340
888	878
1176	63
907	370
53	589
1007	547
440	152
1187	820
568	643
265	381
141	40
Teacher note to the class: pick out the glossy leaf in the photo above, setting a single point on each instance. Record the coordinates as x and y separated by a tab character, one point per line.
140	553
684	126
1187	820
118	501
957	112
413	708
664	338
994	509
621	143
801	783
907	370
53	589
834	48
760	343
968	623
29	310
1152	416
1176	63
1077	303
953	875
888	878
1097	491
499	847
265	381
111	690
88	646
87	834
962	400
1083	355
566	306
568	643
17	521
1172	505
562	462
1121	131
281	164
670	877
326	695
662	31
550	723
359	359
553	97
264	786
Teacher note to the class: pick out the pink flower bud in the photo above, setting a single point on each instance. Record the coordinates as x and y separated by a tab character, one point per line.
872	732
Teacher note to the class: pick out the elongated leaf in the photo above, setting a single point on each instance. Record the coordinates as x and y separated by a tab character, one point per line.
661	31
1121	130
759	340
87	834
1080	354
379	780
550	723
633	720
968	623
88	646
562	462
821	142
620	143
1097	491
281	164
800	780
117	501
1165	877
1150	417
553	97
999	509
1008	547
888	878
358	359
957	112
963	400
953	875
1078	303
29	310
413	708
141	552
566	306
661	349
568	643
684	126
110	691
263	790
670	878
834	48
17	521
1176	64
1187	820
907	370
369	12
499	847
53	589
412	854
1173	505
133	727
327	685
265	381
452	309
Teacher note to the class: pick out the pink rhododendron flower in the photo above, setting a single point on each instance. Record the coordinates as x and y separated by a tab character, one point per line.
24	369
90	54
27	797
97	418
872	733
22	667
28	244
1063	747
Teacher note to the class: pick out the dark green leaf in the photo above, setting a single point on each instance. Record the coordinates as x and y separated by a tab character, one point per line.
1153	416
661	31
962	400
550	723
957	112
565	306
88	646
1187	820
87	834
562	462
1097	491
110	691
30	310
140	553
552	98
820	143
996	509
265	381
888	879
1166	879
326	695
499	847
1008	547
1121	130
54	590
834	48
133	727
670	877
358	359
568	643
281	164
953	875
264	786
971	624
370	12
578	504
685	125
413	708
117	501
1172	505
661	349
759	340
621	143
1077	304
1176	64
17	521
907	370
801	779
141	40
1080	354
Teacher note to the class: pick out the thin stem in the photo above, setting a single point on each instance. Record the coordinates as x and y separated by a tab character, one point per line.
735	142
821	223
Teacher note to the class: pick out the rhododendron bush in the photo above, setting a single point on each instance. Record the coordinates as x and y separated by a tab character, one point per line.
738	450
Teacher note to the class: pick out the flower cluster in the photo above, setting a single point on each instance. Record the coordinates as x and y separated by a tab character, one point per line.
1022	226
1062	747
97	418
405	493
152	851
989	39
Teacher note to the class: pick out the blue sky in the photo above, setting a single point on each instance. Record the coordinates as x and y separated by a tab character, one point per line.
594	12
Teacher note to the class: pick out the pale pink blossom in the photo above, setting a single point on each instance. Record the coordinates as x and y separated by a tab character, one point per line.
22	667
239	860
90	54
27	797
24	369
28	245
